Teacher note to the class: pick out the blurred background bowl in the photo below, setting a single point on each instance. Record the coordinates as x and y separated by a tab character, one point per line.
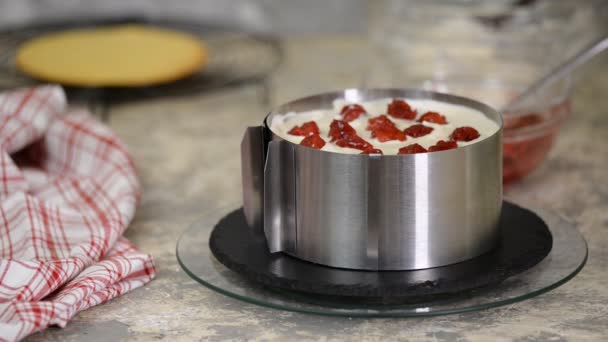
488	51
529	131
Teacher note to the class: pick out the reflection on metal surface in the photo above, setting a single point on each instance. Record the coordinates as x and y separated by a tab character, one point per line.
421	184
252	169
279	198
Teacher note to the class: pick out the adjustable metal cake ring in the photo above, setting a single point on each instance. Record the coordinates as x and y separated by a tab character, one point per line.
345	219
373	212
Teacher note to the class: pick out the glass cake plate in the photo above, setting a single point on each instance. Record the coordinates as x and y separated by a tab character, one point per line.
566	259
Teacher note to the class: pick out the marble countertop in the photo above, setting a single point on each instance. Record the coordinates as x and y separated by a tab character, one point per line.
187	152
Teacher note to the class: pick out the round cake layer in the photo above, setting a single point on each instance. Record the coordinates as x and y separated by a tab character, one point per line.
124	55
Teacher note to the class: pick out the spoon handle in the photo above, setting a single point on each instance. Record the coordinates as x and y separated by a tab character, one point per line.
561	71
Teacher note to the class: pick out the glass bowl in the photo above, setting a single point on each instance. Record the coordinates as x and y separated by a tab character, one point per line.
529	130
529	134
461	47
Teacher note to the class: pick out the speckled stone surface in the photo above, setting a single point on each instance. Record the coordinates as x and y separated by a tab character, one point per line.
187	153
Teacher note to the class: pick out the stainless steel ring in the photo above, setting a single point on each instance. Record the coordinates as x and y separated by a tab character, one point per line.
393	212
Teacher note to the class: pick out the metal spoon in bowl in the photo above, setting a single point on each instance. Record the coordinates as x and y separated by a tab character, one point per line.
559	72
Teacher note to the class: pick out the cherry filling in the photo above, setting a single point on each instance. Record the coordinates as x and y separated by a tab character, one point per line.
339	129
433	117
352	112
523	121
343	135
384	129
464	134
442	145
418	130
314	141
401	110
412	149
307	128
354	142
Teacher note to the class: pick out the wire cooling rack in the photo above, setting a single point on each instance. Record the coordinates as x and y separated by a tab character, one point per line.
236	58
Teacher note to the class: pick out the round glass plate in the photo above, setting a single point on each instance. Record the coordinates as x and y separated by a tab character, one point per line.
566	259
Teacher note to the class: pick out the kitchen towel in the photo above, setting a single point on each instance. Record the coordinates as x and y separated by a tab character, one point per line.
68	190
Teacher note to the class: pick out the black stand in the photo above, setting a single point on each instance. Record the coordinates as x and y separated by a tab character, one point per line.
524	241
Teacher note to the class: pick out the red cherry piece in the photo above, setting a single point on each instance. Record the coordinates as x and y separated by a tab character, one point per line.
401	110
383	135
412	149
443	145
339	129
433	117
344	135
464	134
307	129
372	151
352	112
379	122
418	130
314	141
354	141
384	129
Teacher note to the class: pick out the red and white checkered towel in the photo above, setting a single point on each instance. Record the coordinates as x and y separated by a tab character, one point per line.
68	190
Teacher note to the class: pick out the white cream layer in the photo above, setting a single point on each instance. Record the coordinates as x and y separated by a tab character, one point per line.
457	116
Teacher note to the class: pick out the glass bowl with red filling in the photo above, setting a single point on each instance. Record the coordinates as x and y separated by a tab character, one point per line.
530	130
529	134
488	51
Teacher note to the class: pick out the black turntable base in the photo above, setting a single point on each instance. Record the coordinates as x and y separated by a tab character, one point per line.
524	241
